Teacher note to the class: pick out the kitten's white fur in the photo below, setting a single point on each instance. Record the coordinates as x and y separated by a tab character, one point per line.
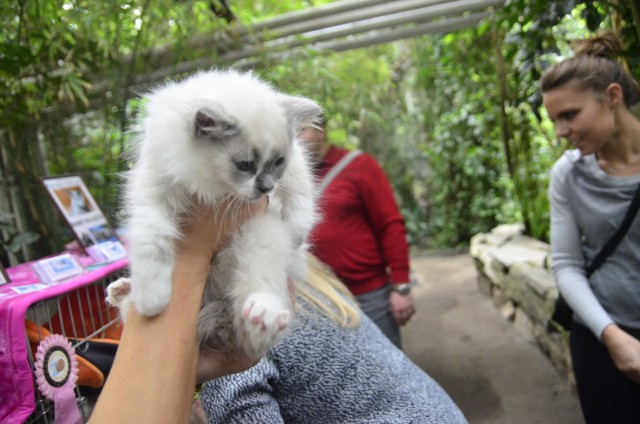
195	138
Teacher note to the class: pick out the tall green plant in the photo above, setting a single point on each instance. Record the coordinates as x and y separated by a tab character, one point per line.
466	189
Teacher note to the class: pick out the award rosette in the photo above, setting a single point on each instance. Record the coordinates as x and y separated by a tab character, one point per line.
56	376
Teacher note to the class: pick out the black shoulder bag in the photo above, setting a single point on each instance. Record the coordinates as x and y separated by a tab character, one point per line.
562	313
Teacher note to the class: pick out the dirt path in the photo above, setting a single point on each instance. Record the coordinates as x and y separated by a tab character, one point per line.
493	372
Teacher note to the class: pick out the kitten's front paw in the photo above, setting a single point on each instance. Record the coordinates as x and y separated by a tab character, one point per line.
266	317
151	302
264	312
118	291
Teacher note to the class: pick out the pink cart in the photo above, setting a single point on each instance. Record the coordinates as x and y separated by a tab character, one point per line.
30	312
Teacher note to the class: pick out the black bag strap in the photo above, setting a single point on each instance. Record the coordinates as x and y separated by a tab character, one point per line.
613	242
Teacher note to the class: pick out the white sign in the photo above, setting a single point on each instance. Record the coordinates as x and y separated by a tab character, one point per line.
107	251
57	268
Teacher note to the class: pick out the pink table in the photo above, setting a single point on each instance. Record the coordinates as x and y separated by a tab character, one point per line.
16	377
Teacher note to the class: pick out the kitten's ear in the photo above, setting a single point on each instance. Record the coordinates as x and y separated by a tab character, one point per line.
214	124
300	110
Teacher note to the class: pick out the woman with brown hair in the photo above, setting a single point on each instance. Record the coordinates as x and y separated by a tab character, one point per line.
589	98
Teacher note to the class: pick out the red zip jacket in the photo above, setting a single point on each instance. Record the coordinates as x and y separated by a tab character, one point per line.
361	234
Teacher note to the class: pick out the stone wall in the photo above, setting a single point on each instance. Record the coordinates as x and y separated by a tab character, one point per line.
515	271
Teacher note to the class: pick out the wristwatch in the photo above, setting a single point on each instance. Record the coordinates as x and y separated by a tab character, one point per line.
403	288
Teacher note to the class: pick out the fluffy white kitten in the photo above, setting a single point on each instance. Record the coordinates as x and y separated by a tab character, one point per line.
218	135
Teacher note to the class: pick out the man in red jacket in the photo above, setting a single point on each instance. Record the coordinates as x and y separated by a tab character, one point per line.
361	234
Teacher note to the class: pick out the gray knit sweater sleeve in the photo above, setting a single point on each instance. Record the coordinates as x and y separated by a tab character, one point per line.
587	206
324	373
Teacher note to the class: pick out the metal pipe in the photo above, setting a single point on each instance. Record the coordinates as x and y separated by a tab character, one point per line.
441	26
331	21
313	12
383	9
416	16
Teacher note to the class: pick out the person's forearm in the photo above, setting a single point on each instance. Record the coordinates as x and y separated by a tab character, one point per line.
624	350
153	375
576	291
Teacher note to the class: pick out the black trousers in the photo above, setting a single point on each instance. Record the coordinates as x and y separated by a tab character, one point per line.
606	395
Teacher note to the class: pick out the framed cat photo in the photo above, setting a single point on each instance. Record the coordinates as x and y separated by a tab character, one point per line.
79	209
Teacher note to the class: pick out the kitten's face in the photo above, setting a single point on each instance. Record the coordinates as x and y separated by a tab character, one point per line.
244	156
249	162
224	133
257	174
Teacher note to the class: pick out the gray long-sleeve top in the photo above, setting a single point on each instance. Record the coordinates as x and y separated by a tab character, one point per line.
325	373
587	207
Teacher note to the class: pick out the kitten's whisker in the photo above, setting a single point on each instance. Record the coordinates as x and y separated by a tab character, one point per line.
231	204
217	212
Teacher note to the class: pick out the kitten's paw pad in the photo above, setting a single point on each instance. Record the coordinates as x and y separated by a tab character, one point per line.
150	303
266	312
118	291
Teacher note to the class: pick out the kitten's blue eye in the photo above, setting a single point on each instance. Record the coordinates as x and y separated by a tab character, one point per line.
279	161
245	166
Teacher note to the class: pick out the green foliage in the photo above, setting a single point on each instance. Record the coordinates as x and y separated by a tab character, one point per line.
12	240
533	153
538	33
60	57
466	188
455	120
371	104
